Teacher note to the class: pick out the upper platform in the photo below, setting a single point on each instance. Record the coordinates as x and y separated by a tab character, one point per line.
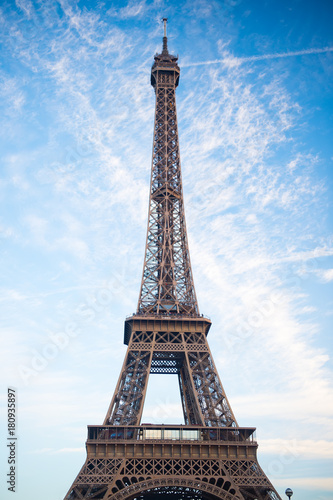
165	63
167	323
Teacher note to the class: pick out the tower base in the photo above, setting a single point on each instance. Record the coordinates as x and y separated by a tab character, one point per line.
155	462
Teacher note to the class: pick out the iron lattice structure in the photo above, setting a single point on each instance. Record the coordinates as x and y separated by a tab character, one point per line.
210	456
167	283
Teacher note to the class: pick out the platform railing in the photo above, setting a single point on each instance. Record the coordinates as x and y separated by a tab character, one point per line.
170	433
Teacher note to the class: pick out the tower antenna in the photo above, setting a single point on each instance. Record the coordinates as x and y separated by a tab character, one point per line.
165	39
165	20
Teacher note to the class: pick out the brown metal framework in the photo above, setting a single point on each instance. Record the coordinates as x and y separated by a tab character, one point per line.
210	456
170	345
167	284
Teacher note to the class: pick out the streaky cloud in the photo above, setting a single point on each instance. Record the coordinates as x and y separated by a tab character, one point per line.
236	61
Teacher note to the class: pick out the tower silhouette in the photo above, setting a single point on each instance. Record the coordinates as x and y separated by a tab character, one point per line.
210	456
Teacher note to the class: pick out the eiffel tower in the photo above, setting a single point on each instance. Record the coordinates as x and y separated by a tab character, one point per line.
210	456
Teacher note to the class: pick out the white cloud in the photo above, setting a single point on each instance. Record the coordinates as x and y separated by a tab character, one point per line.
41	451
51	451
10	295
232	61
326	275
132	9
69	450
300	449
26	6
76	246
308	483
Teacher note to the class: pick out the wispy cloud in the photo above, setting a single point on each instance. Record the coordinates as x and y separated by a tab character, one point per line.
51	451
300	448
232	61
326	275
131	10
316	483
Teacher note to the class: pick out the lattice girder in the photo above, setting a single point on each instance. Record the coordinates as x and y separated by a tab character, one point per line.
167	284
161	346
128	399
145	466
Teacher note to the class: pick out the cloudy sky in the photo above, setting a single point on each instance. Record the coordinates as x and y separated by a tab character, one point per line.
255	125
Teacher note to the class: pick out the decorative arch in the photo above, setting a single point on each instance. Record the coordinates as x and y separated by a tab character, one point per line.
186	488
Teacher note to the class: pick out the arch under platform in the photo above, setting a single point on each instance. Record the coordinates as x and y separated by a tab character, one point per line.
177	488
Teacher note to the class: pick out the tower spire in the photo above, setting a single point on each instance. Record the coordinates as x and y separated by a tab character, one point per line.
165	39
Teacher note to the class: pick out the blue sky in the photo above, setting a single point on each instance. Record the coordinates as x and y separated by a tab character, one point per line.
255	124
